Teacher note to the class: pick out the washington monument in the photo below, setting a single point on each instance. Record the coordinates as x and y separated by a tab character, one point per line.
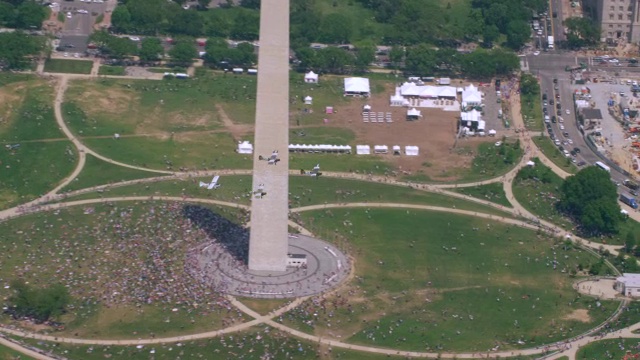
269	241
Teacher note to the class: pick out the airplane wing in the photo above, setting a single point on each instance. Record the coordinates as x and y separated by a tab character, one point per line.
317	167
215	180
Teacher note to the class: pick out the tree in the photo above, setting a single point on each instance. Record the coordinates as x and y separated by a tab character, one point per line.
183	52
150	49
581	32
203	4
29	15
630	242
7	14
529	84
250	4
16	49
421	60
121	19
518	33
40	304
590	198
335	29
216	50
365	55
187	22
489	35
245	25
334	60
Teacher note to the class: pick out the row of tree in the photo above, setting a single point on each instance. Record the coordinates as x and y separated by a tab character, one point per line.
39	304
17	50
20	14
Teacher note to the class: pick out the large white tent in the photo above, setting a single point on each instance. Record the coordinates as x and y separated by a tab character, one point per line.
473	115
411	150
363	149
427	91
245	147
355	86
471	96
311	77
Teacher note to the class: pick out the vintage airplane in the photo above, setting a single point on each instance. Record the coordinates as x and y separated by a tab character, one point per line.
213	184
271	160
315	172
260	193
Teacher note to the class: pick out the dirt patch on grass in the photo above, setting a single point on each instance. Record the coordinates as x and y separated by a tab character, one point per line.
581	315
107	100
11	97
434	134
238	131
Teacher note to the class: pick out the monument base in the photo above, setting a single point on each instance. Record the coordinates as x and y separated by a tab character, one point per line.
324	267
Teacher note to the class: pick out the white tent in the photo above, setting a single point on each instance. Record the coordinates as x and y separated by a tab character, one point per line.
411	150
311	77
363	149
473	115
396	150
366	108
380	149
356	86
426	91
308	100
492	132
443	81
414	114
244	147
398	100
471	96
530	163
481	125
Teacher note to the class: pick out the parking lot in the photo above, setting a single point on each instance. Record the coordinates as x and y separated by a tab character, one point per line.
80	16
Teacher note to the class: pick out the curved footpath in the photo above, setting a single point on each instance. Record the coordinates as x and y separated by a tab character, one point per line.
522	218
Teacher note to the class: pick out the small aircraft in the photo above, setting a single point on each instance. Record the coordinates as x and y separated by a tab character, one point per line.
260	193
213	184
315	172
271	160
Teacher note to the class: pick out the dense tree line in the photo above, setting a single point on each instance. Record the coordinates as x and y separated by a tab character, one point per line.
22	14
17	49
581	32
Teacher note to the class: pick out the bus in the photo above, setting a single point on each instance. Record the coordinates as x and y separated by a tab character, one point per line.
602	166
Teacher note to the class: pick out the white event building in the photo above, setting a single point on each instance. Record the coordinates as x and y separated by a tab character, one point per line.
628	284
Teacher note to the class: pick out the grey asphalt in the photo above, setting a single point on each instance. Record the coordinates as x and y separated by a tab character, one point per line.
77	29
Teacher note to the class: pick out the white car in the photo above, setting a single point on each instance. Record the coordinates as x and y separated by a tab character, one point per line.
614	61
68	15
567	112
560	119
134	38
82	11
570	141
536	53
76	55
557	142
561	127
66	54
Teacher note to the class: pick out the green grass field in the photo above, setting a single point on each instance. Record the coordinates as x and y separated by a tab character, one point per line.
111	70
493	192
429	281
303	190
44	156
531	112
609	349
68	66
551	151
97	172
136	287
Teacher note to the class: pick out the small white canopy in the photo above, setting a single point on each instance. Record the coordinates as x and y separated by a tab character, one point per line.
492	132
481	125
396	149
244	147
363	149
380	149
414	112
411	150
357	85
530	163
311	77
367	107
308	100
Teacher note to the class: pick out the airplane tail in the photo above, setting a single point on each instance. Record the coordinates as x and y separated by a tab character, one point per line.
203	184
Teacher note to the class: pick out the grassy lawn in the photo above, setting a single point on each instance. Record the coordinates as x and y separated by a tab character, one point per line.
44	156
551	151
531	108
493	192
257	343
97	172
111	70
68	66
139	284
609	349
303	190
489	161
429	281
540	196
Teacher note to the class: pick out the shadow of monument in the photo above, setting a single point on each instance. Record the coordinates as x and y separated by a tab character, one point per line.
233	237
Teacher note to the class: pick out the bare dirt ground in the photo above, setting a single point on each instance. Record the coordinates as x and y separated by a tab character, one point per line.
434	134
581	315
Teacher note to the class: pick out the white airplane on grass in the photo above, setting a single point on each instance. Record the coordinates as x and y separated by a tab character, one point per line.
213	184
271	160
315	172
